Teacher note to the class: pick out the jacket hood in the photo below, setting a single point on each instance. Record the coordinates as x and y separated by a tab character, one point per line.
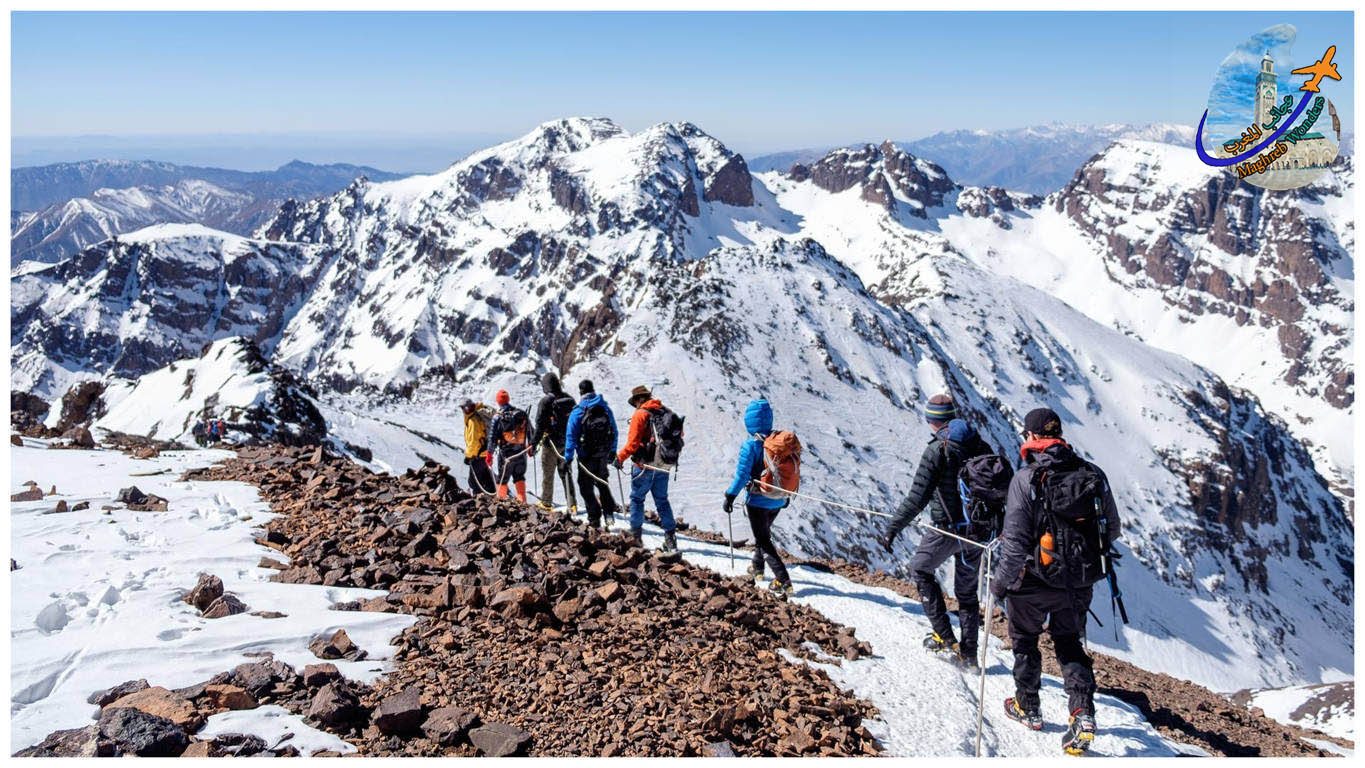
758	417
960	431
550	384
652	402
1046	451
591	399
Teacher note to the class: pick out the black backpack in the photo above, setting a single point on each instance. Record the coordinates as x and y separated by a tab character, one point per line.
666	436
560	408
983	483
1071	497
595	439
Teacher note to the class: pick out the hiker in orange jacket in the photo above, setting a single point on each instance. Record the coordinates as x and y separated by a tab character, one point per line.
652	439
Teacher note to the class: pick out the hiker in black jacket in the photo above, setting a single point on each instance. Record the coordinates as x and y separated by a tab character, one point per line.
935	487
1060	517
552	419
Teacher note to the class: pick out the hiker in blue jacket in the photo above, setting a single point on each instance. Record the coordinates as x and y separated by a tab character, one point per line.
591	433
758	421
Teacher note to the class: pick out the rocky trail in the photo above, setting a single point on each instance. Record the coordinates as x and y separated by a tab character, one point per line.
535	635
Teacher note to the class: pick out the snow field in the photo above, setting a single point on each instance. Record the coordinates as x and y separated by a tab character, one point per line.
97	598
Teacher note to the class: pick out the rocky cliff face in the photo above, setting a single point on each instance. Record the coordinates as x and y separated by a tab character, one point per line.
133	304
1225	247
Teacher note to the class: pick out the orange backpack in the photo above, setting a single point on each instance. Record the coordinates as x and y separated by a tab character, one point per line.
782	466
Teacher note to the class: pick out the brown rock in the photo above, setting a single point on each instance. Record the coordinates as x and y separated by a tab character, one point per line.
318	675
208	589
201	749
335	705
16	440
222	696
401	713
338	646
162	703
447	726
227	605
609	591
32	494
499	739
102	698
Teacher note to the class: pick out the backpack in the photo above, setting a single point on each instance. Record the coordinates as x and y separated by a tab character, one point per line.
666	437
560	408
983	483
781	466
595	439
512	422
1071	499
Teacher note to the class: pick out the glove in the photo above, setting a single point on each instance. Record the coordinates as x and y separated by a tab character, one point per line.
998	590
468	461
886	541
729	503
616	463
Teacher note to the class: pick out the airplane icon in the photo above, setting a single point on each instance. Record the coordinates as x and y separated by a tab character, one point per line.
1321	68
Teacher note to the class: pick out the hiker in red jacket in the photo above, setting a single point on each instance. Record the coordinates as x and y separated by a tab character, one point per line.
654	438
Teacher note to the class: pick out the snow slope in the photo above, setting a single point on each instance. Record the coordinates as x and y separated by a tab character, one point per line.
1326	707
96	600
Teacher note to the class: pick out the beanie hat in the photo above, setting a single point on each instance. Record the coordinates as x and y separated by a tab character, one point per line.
501	397
940	408
639	395
585	386
1043	421
467	404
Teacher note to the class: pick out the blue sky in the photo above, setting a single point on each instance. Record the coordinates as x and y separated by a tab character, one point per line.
759	81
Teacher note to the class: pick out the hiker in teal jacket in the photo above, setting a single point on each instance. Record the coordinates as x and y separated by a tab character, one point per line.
758	421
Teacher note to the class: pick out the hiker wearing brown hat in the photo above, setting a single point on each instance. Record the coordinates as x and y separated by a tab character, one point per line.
654	439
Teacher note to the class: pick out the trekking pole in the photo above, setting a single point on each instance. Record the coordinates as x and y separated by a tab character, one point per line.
985	647
730	518
1107	568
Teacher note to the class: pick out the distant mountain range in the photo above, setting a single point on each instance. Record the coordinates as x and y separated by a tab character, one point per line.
60	209
1038	159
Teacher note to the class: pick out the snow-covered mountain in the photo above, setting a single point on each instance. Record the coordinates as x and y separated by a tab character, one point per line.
80	204
231	381
1256	286
139	301
36	187
657	258
69	227
1038	159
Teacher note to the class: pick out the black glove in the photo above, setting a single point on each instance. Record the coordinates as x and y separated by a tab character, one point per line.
616	463
886	541
729	503
467	461
998	589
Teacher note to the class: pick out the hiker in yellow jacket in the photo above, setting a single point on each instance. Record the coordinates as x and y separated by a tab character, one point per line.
476	455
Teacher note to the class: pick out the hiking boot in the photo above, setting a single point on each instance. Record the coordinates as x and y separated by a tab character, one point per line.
1033	720
754	574
545	506
1079	733
936	644
595	523
967	659
607	519
781	589
670	542
637	536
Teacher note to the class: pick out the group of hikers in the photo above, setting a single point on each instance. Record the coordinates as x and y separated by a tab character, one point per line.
1051	524
209	430
499	444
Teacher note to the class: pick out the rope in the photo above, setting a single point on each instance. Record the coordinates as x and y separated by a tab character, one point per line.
875	512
